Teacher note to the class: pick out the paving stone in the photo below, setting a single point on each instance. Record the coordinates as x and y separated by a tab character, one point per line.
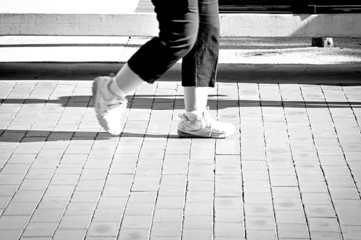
260	223
10	234
172	191
148	183
20	209
340	181
199	197
198	222
90	185
139	209
113	191
293	231
258	198
170	202
27	197
85	196
54	202
227	147
80	208
103	229
108	215
40	230
259	235
197	234
47	215
4	201
142	197
259	210
111	203
130	234
316	198
313	187
13	179
15	168
285	192
315	210
256	175
228	230
323	225
224	215
351	232
198	209
257	187
168	215
55	190
136	222
77	222
69	234
59	179
100	238
228	186
290	217
161	229
228	203
13	222
326	235
284	181
348	211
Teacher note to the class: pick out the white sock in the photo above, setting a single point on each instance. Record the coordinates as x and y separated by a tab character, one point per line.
115	90
194	115
195	99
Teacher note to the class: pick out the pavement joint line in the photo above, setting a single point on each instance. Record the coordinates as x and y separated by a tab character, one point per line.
267	164
293	162
359	128
322	170
29	220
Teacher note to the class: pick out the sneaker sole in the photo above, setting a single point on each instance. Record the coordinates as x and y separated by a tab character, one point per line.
182	134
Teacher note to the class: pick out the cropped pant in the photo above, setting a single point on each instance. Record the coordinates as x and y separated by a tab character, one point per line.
188	30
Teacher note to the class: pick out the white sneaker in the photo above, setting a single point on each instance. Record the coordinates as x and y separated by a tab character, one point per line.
204	127
109	112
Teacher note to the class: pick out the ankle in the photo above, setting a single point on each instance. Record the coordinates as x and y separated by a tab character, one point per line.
114	89
194	115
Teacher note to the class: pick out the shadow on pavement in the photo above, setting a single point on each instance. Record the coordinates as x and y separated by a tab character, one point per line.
341	74
83	101
54	136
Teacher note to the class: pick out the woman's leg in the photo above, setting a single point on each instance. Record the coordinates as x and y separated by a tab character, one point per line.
178	25
199	70
195	98
178	28
199	66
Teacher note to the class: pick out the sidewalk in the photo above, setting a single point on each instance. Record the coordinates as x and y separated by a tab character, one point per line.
293	171
236	50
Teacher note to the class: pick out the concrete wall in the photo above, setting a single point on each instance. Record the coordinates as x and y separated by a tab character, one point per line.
142	24
118	18
68	6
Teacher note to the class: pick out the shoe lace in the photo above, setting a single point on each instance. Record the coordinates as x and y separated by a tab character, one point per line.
206	118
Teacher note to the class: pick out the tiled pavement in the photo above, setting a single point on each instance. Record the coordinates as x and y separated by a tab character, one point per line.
293	171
